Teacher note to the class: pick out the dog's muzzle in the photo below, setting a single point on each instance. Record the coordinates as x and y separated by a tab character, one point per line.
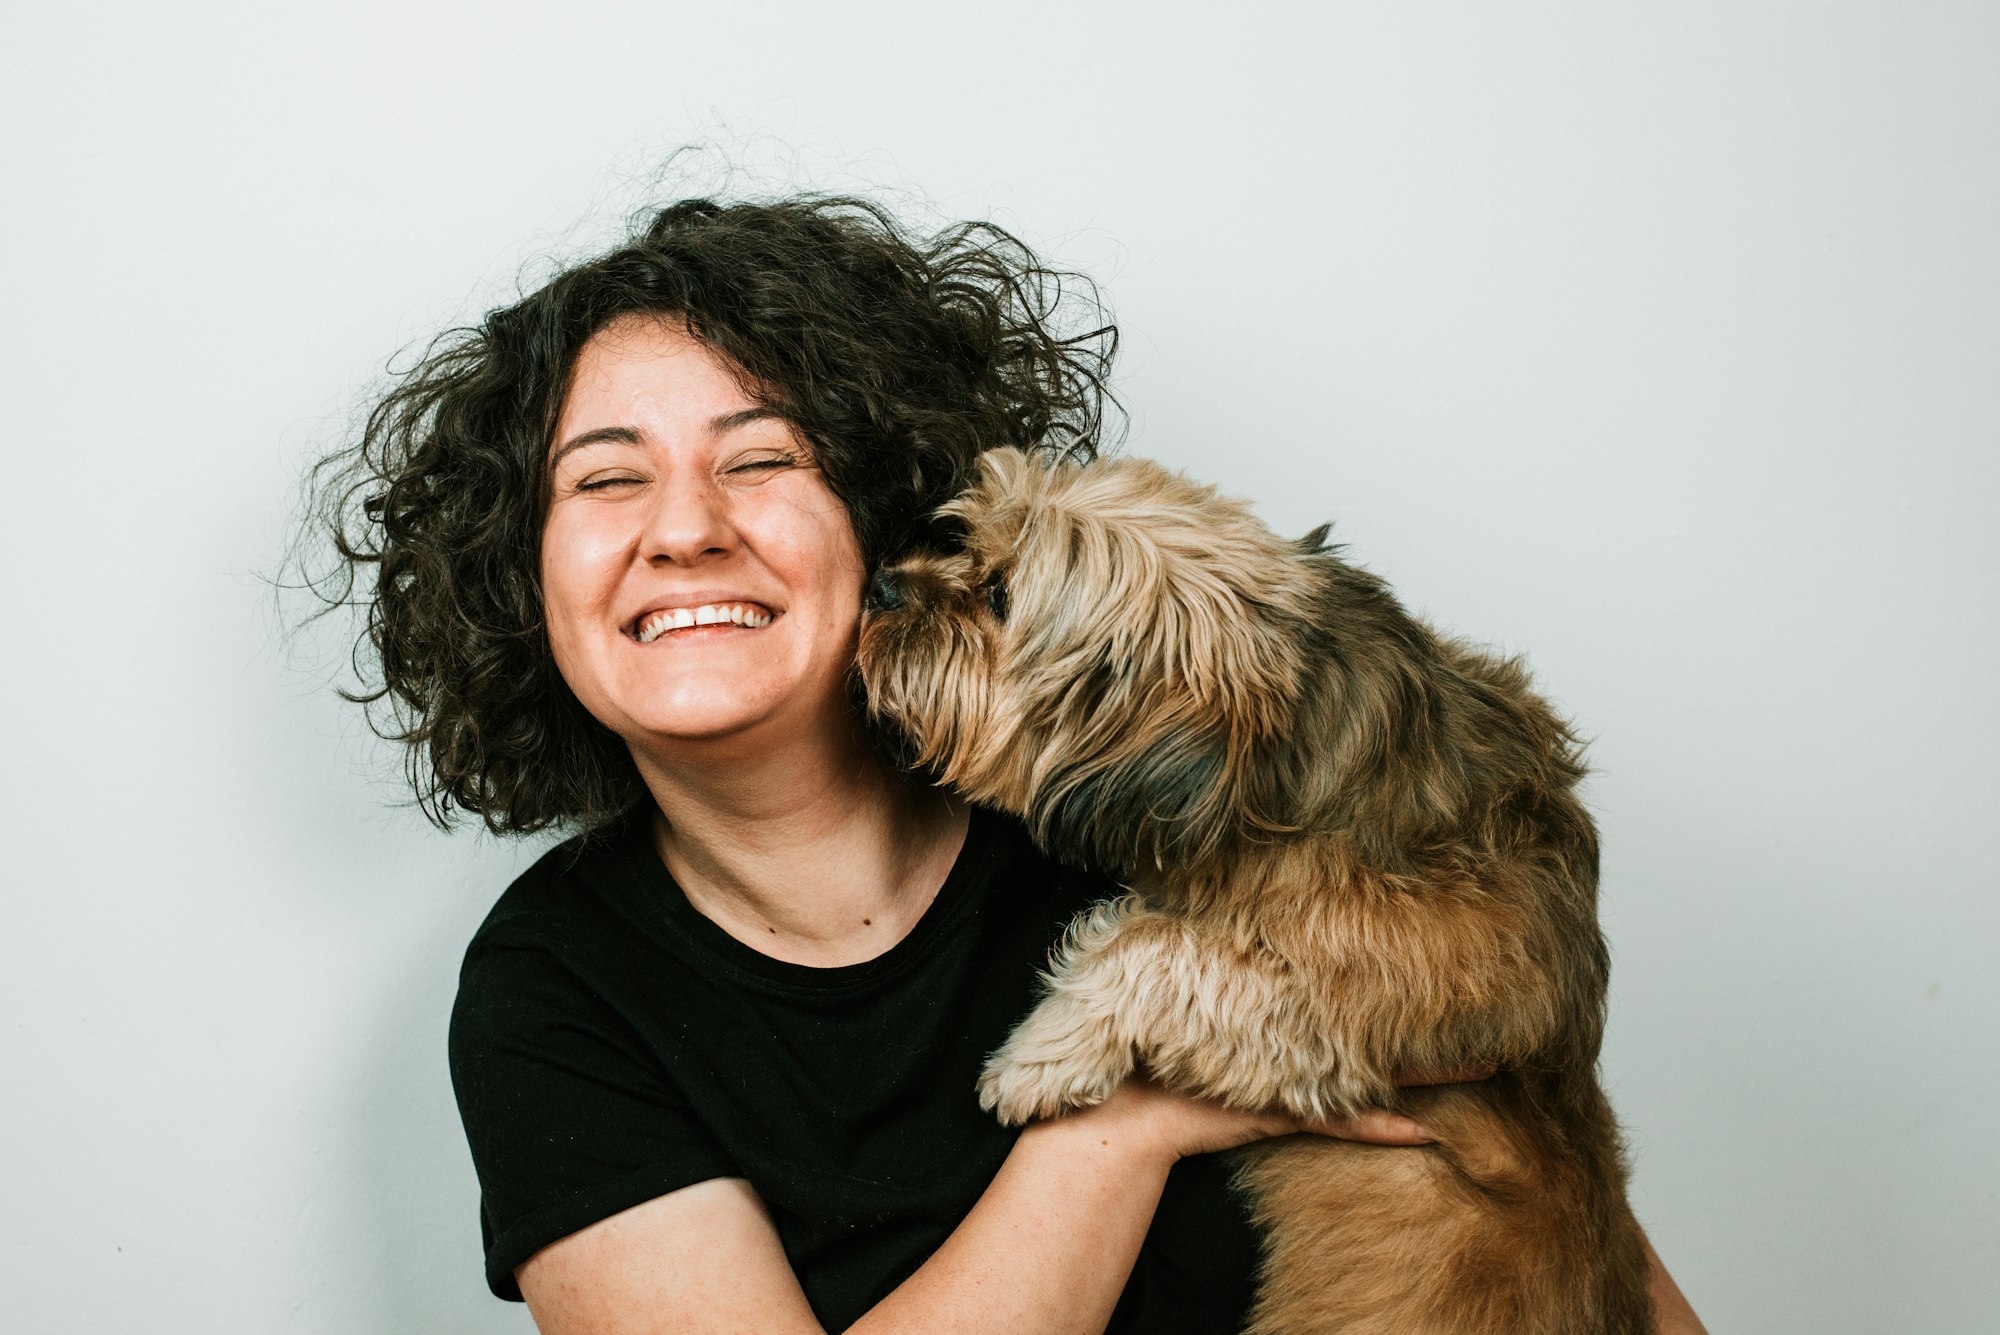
886	592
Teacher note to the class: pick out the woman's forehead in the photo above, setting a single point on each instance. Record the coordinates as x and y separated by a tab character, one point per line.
648	374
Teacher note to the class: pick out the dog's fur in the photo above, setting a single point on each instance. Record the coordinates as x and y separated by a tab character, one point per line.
1355	850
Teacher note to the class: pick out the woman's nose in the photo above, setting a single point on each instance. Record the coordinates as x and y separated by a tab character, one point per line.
686	523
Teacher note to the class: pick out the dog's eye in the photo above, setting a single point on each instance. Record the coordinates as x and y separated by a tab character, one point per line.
995	590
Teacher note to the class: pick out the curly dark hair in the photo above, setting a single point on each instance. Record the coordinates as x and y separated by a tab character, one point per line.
898	357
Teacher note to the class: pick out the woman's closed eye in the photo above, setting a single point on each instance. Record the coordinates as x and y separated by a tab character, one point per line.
762	464
607	482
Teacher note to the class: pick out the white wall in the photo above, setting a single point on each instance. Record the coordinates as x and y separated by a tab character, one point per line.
1657	341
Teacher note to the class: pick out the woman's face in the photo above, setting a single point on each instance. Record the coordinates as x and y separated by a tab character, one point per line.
700	579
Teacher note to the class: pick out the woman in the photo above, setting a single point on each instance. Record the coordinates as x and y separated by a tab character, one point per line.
715	1056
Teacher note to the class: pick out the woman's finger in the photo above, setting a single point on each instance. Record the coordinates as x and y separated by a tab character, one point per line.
1376	1127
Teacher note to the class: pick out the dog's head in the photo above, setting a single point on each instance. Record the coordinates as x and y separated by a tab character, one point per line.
1104	656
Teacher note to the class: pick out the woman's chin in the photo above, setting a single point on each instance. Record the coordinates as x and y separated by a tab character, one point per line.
728	712
698	726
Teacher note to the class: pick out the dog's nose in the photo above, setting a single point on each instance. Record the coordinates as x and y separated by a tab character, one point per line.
885	592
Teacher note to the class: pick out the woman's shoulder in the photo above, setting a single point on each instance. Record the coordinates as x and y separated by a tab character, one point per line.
551	949
584	877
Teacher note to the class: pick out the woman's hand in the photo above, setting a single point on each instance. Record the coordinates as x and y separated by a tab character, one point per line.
1178	1125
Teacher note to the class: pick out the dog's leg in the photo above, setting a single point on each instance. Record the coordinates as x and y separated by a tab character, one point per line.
1073	1049
1131	985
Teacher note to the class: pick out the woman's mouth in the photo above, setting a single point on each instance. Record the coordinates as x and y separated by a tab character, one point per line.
750	616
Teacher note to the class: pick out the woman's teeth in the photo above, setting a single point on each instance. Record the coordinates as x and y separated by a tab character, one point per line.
708	614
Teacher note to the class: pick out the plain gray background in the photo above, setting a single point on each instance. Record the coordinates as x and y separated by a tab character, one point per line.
1656	341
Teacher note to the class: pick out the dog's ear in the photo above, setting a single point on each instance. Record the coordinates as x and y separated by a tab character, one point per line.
1315	543
1171	802
1134	769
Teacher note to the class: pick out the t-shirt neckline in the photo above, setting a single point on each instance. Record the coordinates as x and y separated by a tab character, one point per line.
963	889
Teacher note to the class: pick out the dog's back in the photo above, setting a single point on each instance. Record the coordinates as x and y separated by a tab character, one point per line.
1457	906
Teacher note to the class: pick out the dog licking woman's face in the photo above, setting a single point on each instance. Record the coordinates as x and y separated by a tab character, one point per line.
1101	657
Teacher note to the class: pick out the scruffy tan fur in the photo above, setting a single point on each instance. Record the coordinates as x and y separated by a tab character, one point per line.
1354	850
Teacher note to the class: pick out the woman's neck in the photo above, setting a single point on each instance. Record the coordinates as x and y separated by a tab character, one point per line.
811	851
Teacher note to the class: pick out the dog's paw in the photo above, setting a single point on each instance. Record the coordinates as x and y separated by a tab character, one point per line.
1019	1092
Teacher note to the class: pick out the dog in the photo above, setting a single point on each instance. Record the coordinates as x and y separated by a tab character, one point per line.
1352	847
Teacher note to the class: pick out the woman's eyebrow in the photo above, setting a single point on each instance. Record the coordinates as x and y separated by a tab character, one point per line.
743	417
603	435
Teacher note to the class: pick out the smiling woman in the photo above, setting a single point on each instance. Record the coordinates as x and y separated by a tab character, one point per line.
699	576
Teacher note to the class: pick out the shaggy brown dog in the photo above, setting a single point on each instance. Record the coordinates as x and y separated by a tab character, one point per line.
1354	849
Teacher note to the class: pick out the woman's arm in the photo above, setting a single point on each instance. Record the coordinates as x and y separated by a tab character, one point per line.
1047	1248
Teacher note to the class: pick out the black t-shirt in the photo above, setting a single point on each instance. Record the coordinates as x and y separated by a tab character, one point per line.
611	1044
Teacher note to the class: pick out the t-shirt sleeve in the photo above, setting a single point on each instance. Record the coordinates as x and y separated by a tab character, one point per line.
569	1121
